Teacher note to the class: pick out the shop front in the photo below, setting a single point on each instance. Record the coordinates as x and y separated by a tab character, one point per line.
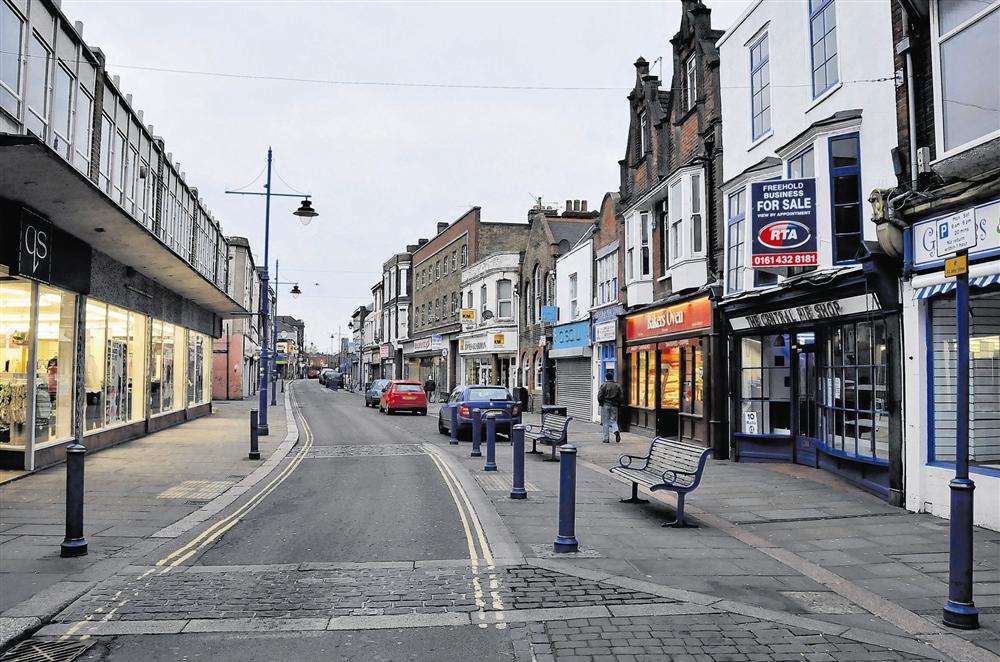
814	369
571	350
386	354
488	357
930	332
427	358
89	349
668	353
604	331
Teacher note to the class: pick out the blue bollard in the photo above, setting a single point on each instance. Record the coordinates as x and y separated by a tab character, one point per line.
491	442
566	540
254	448
477	432
454	426
517	490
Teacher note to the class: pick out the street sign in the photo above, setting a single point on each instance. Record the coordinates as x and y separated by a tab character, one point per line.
750	422
783	214
956	266
956	233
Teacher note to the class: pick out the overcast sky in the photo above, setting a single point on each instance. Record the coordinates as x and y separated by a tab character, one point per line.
383	163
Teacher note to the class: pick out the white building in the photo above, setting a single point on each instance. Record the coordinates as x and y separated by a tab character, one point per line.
808	94
572	346
487	345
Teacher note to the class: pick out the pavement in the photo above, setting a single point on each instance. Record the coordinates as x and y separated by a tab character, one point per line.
363	536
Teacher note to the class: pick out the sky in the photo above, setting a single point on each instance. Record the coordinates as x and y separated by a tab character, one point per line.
383	163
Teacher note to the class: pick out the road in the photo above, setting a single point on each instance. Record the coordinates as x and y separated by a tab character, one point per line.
362	521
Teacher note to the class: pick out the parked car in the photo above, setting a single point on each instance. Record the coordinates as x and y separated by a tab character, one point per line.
403	395
484	397
374	392
324	376
312	372
335	380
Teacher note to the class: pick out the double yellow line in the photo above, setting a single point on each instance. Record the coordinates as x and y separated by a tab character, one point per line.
217	530
474	533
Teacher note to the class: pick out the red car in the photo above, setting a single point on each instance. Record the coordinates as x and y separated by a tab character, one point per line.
403	395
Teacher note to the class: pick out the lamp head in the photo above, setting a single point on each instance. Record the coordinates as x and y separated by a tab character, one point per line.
296	291
305	212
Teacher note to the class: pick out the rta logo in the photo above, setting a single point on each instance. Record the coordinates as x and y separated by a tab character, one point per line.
36	244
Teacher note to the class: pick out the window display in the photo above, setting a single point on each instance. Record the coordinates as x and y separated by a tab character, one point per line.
199	368
670	376
642	385
114	378
766	406
54	350
15	333
94	367
167	384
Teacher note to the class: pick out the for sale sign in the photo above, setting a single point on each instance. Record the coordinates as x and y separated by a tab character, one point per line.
783	217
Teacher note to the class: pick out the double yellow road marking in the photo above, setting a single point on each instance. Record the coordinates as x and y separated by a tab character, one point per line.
474	533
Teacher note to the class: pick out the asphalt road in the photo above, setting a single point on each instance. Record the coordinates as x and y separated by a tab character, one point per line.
364	492
368	507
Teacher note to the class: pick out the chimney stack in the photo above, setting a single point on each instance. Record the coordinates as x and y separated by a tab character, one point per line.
576	205
583	205
569	205
422	241
442	226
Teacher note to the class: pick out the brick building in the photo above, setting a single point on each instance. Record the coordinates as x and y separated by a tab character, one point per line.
607	295
437	285
673	241
395	316
550	234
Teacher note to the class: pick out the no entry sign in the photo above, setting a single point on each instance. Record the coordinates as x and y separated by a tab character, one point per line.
783	217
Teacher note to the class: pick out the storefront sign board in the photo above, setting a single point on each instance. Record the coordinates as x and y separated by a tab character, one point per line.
34	250
605	331
575	334
678	318
924	249
783	214
468	314
437	342
383	351
550	314
421	344
810	312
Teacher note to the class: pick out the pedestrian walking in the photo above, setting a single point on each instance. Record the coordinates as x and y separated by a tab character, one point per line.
609	397
429	387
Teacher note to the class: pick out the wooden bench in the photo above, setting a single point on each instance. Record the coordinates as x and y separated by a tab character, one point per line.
671	465
552	432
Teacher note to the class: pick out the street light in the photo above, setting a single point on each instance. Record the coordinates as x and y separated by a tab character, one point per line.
296	291
304	212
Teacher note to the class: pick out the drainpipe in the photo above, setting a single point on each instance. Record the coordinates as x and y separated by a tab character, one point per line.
911	112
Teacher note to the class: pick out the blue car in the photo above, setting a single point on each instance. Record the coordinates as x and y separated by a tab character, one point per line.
485	398
374	392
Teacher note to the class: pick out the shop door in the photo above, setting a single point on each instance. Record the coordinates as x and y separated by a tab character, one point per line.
804	387
691	417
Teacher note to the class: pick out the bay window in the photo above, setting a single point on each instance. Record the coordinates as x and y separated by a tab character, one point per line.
644	244
676	220
697	231
845	184
967	110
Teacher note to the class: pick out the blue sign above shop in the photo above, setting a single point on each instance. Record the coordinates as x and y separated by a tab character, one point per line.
568	336
550	314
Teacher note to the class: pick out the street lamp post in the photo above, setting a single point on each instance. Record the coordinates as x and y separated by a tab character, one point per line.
304	212
274	326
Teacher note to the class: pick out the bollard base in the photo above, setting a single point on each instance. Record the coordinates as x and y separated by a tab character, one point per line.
490	467
262	431
476	454
565	545
961	616
518	493
73	547
254	455
453	442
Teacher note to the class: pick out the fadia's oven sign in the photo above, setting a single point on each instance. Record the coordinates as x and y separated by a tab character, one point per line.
784	223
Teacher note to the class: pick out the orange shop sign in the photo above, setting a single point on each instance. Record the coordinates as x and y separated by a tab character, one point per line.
679	318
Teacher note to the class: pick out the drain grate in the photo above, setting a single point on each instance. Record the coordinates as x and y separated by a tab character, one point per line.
33	650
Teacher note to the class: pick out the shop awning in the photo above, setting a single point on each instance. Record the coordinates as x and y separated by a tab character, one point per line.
35	176
949	286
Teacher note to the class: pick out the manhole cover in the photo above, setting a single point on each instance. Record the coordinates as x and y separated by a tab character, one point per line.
46	651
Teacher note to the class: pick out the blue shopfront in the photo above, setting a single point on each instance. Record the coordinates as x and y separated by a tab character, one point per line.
572	351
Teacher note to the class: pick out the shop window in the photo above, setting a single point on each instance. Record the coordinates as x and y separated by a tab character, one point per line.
166	384
115	369
984	380
15	341
853	390
965	37
845	184
823	32
505	301
54	358
94	368
670	376
735	238
11	29
642	376
766	388
691	381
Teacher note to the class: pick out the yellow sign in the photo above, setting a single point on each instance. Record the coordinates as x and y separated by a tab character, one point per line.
468	315
956	266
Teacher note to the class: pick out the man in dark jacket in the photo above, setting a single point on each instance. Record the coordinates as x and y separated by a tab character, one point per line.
610	398
429	387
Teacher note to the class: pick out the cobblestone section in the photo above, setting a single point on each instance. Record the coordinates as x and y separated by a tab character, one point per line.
363	451
303	592
528	587
701	638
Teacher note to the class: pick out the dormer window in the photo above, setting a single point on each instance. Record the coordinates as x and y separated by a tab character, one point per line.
691	79
643	132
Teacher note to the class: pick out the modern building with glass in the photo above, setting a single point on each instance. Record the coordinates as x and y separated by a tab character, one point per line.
113	272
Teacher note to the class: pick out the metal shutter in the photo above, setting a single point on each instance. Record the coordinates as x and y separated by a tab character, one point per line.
573	388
